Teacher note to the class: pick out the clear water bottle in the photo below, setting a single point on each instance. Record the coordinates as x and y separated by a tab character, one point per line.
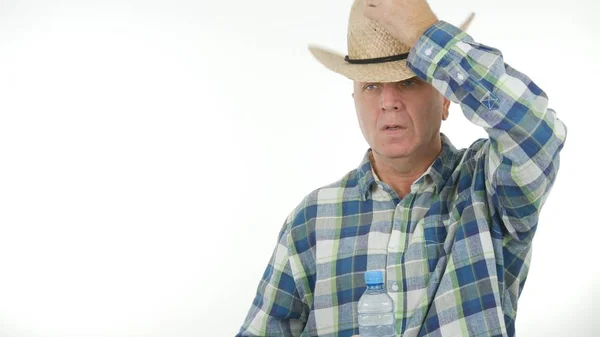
376	309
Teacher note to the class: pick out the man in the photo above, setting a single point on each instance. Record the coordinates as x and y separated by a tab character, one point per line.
451	229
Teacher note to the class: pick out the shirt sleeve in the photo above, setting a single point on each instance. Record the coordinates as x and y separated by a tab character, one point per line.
521	154
277	309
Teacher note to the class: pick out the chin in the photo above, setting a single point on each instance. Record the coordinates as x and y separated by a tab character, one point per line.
394	151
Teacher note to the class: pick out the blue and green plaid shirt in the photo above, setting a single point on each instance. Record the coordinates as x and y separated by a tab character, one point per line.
455	251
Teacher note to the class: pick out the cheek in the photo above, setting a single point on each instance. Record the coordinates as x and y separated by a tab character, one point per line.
367	116
428	117
363	121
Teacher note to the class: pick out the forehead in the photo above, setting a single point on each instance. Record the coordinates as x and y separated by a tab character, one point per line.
357	85
413	78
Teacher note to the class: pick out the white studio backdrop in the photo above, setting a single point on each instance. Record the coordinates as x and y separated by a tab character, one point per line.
151	150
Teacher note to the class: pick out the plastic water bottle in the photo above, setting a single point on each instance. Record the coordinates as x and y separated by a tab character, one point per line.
376	309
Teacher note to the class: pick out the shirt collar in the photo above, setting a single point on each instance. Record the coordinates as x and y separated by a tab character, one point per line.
439	171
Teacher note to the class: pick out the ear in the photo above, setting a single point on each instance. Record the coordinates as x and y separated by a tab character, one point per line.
446	111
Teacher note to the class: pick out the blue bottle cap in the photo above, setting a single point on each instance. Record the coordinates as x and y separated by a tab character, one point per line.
374	277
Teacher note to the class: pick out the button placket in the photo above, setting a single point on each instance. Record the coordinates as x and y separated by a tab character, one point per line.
396	249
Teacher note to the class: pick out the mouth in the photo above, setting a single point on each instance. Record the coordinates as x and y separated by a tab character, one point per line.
393	127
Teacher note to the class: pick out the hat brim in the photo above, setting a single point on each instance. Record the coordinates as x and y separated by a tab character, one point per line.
376	72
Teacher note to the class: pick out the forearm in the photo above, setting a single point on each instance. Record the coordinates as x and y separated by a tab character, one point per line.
525	136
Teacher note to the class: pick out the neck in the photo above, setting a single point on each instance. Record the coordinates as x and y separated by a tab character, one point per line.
400	173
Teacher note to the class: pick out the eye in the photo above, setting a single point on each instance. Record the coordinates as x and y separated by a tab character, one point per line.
370	86
408	83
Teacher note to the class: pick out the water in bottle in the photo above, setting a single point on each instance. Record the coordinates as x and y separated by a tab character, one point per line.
376	309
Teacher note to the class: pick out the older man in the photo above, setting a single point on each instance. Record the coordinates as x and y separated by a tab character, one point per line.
450	228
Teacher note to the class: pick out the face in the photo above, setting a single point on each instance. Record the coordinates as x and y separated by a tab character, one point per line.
401	119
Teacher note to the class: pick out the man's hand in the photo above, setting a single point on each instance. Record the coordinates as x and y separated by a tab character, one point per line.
406	20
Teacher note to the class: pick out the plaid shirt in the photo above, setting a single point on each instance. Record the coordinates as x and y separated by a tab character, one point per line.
455	251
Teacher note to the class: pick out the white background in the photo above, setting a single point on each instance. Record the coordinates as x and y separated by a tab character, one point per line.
151	150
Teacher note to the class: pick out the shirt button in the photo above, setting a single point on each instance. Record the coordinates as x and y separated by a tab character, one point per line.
394	287
460	76
428	52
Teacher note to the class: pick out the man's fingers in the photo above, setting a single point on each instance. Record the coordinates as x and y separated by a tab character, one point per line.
370	12
372	3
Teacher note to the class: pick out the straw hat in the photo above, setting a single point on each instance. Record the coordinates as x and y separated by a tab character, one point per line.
374	55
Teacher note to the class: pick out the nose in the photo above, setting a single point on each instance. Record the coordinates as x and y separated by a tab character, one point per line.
391	99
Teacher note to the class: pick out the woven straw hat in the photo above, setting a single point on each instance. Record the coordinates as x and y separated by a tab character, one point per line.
374	55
